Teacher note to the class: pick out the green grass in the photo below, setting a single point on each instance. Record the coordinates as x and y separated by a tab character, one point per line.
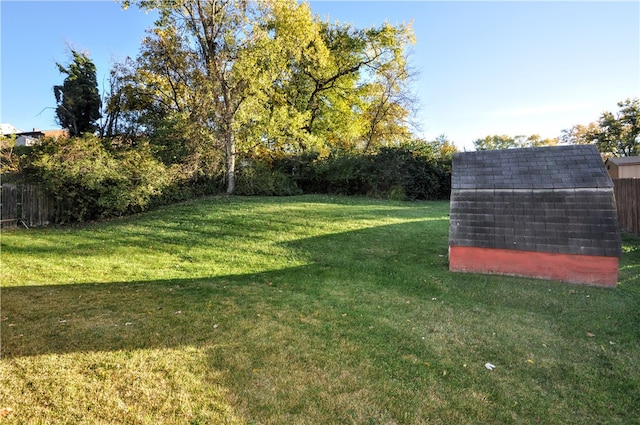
302	310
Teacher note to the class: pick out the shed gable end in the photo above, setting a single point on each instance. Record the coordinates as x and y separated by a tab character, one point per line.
552	201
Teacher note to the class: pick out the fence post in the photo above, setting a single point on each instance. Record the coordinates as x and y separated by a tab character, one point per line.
9	205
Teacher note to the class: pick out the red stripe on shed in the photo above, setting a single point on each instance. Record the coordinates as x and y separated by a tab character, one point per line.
584	269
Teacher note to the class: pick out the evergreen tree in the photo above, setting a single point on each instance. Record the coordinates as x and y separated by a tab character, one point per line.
78	98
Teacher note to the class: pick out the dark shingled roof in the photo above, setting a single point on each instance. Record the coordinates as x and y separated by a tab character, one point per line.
550	199
552	167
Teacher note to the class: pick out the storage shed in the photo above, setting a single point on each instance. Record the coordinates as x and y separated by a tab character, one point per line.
545	212
627	167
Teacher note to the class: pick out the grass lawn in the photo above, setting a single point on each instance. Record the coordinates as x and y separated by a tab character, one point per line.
302	310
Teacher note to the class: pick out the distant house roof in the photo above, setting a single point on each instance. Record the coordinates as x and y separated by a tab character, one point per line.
35	133
56	133
39	134
625	160
552	167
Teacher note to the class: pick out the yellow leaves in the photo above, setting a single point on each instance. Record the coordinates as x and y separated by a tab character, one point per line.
277	75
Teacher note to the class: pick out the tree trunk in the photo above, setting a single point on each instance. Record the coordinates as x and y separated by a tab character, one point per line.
230	153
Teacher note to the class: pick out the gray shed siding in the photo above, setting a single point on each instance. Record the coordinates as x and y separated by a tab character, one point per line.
548	199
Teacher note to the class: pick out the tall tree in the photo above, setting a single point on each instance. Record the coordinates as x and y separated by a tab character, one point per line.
535	141
354	88
78	99
508	142
389	105
335	87
615	134
264	77
619	133
579	134
273	119
119	118
202	61
443	147
495	142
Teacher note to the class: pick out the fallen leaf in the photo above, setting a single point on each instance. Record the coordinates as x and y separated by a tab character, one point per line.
590	335
5	411
530	361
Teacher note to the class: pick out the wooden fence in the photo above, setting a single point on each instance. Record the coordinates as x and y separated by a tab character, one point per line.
24	205
627	193
28	206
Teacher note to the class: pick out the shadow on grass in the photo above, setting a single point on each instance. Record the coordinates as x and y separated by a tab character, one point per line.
374	326
168	313
350	274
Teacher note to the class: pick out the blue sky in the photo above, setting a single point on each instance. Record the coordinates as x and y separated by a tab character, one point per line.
504	67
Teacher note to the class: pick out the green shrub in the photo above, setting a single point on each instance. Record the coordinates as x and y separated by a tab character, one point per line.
182	188
89	179
391	173
260	178
397	193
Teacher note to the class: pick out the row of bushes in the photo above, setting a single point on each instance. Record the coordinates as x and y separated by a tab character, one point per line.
392	173
90	178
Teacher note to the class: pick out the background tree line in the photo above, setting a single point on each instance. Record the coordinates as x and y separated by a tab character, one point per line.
254	97
245	97
615	134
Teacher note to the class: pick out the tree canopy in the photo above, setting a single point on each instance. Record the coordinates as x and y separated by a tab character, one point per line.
615	134
78	99
508	142
218	80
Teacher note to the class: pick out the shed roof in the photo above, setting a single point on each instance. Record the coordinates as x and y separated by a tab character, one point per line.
549	167
625	160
